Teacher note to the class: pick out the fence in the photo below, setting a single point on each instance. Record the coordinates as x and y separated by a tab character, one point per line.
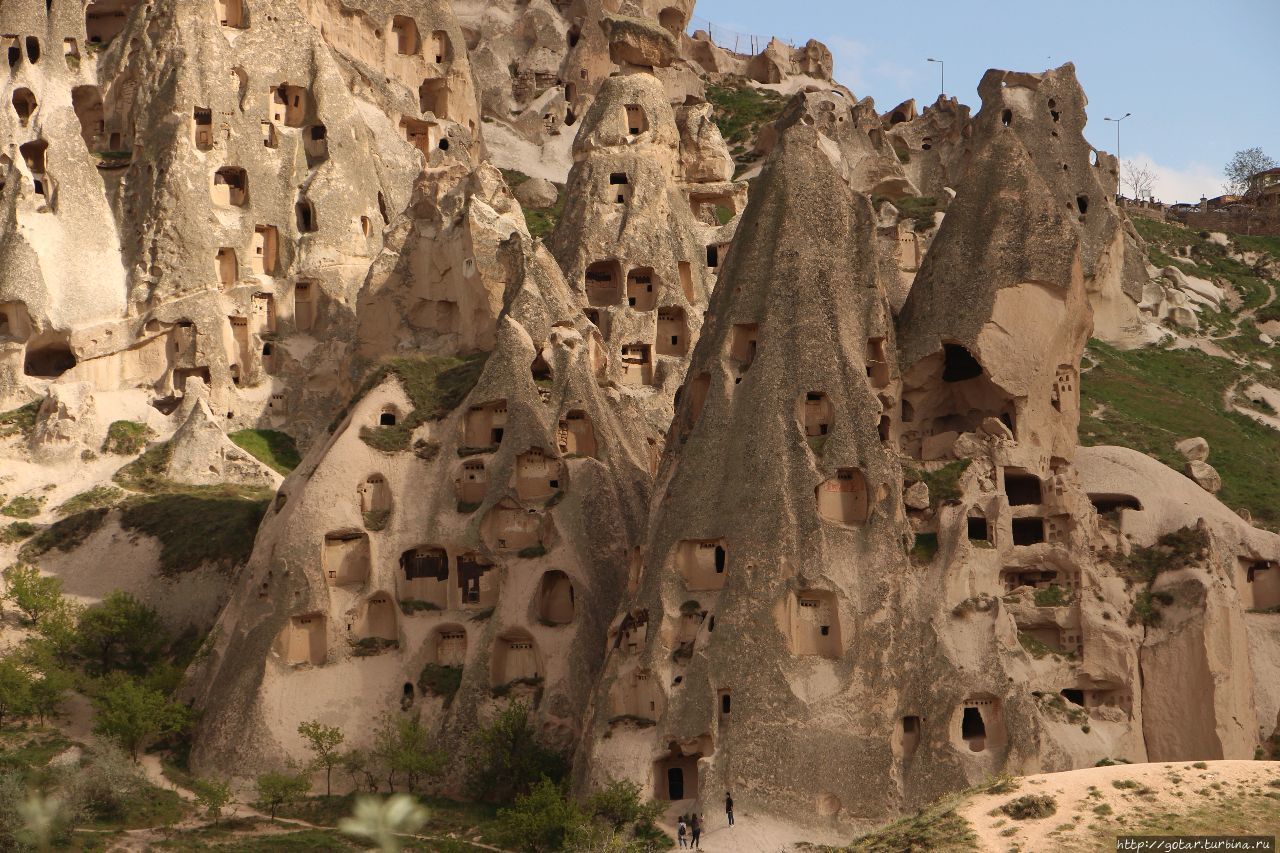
741	43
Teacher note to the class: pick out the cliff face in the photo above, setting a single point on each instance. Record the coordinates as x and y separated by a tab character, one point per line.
772	488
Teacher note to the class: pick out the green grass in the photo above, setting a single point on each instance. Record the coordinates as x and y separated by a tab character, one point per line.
199	524
436	385
926	546
935	828
20	421
1157	397
125	438
542	221
194	524
740	111
96	498
943	483
65	534
23	506
920	209
276	450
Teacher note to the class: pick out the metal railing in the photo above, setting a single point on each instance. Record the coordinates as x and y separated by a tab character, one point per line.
744	44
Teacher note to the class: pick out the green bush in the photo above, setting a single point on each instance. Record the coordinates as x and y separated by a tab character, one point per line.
23	506
504	758
1030	807
440	680
276	450
125	438
16	531
376	519
121	632
1052	596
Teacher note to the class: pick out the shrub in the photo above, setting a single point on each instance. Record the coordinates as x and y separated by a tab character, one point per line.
410	606
23	506
541	821
16	531
532	552
125	438
1052	596
925	547
504	758
131	714
367	647
1030	807
376	519
440	680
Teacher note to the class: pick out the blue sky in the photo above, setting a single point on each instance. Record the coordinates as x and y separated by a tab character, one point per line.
1202	79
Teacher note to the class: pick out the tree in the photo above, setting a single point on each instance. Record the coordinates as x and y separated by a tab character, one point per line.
362	768
1244	165
15	689
48	690
1140	178
620	804
541	821
504	758
279	789
121	633
131	713
402	745
31	592
324	742
213	795
381	821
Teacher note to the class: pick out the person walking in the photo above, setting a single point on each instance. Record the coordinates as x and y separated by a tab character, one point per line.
728	807
697	832
681	830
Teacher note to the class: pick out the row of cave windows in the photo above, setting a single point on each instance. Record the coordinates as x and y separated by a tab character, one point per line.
104	19
264	254
977	726
711	209
514	658
16	47
485	425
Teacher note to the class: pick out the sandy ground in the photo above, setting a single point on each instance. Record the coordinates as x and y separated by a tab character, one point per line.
1171	785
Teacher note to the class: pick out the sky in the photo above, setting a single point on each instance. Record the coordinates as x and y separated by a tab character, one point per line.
1201	79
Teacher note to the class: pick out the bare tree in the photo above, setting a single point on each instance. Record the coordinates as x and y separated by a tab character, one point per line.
1140	178
1244	165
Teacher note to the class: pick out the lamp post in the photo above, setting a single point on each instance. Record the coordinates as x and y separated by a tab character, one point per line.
1118	166
943	65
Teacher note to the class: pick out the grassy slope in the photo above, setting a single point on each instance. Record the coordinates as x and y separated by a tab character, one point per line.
1151	398
276	450
740	110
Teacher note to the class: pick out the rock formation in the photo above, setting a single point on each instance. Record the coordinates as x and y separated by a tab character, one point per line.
773	488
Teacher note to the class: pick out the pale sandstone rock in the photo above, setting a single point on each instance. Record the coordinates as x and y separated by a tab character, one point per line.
916	496
1193	449
1204	475
537	193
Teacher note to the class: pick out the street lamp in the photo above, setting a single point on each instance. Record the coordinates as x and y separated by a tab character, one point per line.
1117	121
943	90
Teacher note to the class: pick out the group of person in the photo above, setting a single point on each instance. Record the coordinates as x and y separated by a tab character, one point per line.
689	833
